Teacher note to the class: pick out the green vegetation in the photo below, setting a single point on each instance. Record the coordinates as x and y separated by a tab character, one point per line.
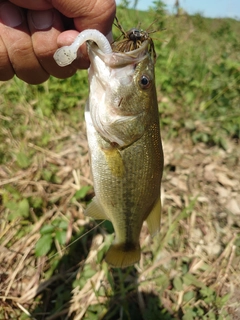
51	256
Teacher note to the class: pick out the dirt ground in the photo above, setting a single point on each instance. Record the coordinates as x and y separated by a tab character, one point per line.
208	176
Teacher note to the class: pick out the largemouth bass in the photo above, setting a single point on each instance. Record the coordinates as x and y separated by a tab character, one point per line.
125	147
124	137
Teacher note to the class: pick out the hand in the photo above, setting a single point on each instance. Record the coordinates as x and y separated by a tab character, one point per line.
31	31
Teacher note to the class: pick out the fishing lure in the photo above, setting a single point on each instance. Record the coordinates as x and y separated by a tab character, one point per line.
133	40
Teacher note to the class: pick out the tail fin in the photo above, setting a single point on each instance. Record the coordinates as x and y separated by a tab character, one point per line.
123	255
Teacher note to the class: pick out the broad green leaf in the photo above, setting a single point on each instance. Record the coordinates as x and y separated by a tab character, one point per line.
61	236
100	255
23	208
221	301
81	193
63	224
177	282
206	292
11	205
10	192
36	202
48	228
189	315
190	279
89	273
23	160
43	245
47	174
188	296
18	209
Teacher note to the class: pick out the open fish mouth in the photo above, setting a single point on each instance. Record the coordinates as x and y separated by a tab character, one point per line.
118	59
115	81
111	78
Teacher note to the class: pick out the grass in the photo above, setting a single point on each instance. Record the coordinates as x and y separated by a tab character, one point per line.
51	256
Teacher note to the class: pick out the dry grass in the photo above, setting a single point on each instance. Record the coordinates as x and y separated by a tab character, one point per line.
196	248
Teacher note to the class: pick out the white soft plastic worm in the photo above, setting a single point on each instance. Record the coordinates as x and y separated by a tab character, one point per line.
65	55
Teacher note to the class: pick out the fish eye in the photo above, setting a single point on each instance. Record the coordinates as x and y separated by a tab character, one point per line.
145	82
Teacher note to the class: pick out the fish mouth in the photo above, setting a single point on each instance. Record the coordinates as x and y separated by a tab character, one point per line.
110	75
118	59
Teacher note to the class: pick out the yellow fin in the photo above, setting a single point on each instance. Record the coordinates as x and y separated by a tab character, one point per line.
120	256
94	210
154	218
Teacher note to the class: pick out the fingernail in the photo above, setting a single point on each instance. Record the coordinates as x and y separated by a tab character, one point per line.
10	15
42	20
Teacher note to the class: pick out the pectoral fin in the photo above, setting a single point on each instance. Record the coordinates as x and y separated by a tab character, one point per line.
95	210
114	161
154	218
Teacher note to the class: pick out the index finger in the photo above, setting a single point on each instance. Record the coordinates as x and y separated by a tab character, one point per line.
87	14
33	5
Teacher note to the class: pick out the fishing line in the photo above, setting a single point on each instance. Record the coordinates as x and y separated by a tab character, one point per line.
55	254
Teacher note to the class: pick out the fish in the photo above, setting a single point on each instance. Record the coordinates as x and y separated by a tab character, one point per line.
123	133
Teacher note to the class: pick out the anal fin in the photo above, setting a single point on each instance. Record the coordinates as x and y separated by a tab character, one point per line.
95	210
154	218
